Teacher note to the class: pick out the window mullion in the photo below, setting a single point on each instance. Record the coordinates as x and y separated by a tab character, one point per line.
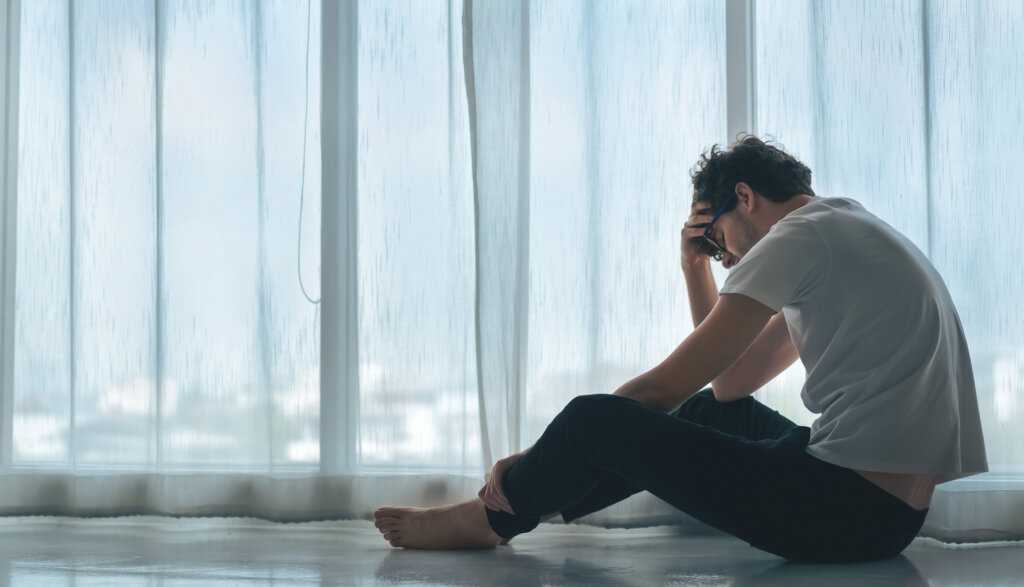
339	350
740	76
10	25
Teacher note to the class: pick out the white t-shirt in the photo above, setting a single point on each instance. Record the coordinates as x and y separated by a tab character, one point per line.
887	364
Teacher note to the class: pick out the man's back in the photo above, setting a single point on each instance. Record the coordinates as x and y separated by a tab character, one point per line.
887	364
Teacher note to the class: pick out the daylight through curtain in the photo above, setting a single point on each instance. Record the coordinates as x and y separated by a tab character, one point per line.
522	174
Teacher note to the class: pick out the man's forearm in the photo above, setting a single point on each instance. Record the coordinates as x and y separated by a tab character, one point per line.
703	293
700	286
644	391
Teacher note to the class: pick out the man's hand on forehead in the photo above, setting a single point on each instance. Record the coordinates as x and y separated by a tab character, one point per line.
698	212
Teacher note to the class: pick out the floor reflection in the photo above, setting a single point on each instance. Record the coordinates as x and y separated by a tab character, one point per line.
169	553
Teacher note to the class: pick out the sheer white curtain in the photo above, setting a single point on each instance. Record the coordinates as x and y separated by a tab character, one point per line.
503	187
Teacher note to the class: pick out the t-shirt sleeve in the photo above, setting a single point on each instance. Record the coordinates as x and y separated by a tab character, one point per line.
786	267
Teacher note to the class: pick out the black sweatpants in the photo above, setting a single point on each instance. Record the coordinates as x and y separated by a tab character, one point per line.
738	466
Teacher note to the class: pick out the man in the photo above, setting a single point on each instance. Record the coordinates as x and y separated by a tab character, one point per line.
820	279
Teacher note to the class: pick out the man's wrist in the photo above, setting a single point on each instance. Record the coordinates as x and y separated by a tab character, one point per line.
697	267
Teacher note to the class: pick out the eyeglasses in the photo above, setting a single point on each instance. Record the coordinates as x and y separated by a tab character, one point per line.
719	250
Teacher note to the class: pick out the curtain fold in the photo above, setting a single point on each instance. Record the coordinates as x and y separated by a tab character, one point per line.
521	177
497	69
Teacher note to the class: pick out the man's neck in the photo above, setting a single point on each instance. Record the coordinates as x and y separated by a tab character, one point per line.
796	202
773	212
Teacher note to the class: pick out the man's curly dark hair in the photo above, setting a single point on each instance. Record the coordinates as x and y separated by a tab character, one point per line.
766	168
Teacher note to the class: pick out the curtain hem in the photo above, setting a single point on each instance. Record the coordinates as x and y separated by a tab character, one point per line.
961	515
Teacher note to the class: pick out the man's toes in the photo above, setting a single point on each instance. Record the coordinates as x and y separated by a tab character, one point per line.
385	522
386	512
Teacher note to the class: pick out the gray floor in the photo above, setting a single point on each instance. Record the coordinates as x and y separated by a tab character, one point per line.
166	551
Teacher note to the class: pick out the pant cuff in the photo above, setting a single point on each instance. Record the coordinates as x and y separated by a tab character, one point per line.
509	525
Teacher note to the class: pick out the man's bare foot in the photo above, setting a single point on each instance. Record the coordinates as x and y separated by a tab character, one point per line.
463	525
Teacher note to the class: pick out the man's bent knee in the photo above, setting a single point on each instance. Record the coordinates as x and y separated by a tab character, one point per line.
592	403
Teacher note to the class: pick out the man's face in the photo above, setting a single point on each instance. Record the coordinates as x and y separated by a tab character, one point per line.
735	234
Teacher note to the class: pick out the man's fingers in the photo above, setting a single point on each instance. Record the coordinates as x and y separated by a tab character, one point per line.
697	229
694	221
497	504
494	499
491	493
500	498
491	497
692	233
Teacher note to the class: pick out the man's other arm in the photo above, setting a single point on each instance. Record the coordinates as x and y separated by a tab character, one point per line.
718	342
770	354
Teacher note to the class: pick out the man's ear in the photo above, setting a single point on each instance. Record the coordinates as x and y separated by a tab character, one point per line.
745	196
